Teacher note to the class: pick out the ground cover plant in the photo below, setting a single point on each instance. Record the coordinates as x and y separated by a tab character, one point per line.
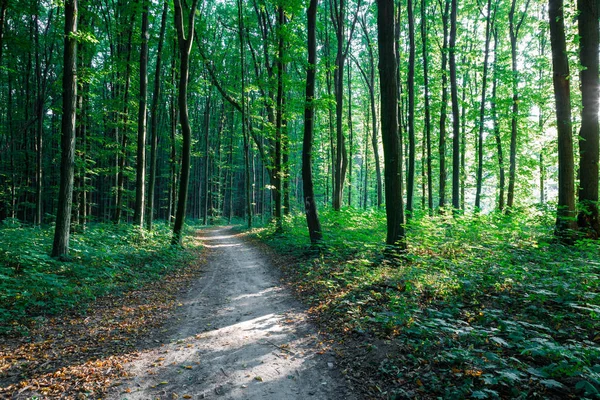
105	259
70	335
479	306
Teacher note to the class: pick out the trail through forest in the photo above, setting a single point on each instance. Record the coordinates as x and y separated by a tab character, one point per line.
238	334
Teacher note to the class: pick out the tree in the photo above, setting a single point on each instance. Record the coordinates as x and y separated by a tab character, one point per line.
565	215
425	54
489	20
588	218
370	82
60	247
455	117
185	40
444	105
392	150
140	181
338	17
410	179
154	118
310	205
515	26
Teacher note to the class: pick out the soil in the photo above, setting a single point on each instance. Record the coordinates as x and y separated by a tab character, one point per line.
236	334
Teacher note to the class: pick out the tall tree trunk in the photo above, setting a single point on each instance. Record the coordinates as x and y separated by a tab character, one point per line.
140	176
154	119
410	179
427	105
497	136
310	205
60	246
443	107
206	178
350	134
392	148
39	108
173	156
515	26
338	16
565	215
126	49
245	134
479	181
371	86
588	219
455	115
185	46
279	122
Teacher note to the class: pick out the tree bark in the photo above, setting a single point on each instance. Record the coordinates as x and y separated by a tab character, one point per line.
185	46
389	123
140	176
479	180
565	215
310	205
514	34
497	136
455	115
154	119
425	53
60	247
410	179
443	108
588	218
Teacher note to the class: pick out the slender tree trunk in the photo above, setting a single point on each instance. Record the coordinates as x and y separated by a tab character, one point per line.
245	135
350	134
140	176
455	115
565	216
185	46
496	124
173	157
279	123
60	247
443	107
410	179
588	219
206	158
427	105
310	205
371	85
479	181
39	107
514	34
123	158
389	123
154	119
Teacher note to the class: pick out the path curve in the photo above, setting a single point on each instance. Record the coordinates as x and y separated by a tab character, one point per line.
238	334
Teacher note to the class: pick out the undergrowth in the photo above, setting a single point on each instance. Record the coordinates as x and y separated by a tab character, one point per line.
106	258
485	306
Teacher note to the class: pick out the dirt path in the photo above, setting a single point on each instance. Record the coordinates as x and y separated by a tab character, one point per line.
238	335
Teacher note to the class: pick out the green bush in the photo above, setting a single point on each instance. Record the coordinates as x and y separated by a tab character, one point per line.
482	305
106	258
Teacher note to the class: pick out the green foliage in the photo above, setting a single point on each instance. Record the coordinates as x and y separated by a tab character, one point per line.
482	306
106	258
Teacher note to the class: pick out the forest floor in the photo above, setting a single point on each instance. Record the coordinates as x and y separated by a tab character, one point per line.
224	327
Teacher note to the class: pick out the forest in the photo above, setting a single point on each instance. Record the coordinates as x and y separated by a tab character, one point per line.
424	171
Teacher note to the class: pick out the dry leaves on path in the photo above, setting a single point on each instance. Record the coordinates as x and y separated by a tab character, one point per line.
79	356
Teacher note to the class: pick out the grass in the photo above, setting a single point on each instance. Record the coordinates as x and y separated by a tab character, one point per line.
483	306
106	258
